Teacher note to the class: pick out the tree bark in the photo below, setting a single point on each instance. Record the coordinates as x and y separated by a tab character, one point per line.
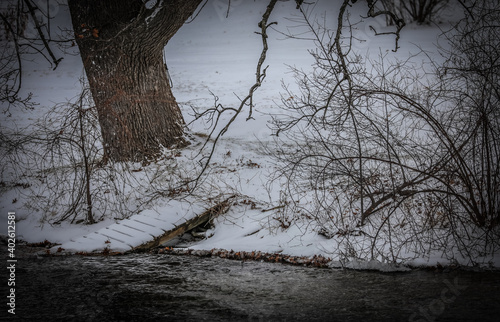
121	44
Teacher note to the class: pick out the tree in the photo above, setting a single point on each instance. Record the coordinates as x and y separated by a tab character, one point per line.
121	44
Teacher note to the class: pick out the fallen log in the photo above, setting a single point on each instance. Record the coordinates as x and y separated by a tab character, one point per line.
208	215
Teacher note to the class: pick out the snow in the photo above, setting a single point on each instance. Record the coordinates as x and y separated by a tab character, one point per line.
125	235
215	54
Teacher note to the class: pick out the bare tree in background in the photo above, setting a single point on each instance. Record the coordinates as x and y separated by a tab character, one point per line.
420	11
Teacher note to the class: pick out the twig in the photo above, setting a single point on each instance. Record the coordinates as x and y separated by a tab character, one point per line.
248	100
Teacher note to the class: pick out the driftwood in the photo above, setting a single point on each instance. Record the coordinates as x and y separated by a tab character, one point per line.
206	216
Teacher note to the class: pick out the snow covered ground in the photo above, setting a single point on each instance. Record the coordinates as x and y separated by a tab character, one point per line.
215	54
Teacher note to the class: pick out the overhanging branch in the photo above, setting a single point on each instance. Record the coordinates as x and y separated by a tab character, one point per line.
260	75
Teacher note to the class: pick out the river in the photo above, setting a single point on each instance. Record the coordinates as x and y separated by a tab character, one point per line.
158	287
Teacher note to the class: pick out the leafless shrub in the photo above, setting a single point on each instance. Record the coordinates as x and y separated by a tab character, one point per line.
392	163
60	161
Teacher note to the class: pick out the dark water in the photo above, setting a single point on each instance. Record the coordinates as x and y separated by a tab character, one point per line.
180	288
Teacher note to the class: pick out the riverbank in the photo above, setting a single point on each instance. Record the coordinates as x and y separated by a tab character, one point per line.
41	250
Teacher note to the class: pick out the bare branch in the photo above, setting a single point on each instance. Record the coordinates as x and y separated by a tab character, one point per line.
46	45
260	75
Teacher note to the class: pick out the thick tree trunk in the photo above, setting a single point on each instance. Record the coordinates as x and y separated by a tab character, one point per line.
121	44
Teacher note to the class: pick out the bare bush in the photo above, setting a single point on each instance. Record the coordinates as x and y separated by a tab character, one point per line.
58	166
391	162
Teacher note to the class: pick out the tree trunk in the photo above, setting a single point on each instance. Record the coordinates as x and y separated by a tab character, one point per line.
121	44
